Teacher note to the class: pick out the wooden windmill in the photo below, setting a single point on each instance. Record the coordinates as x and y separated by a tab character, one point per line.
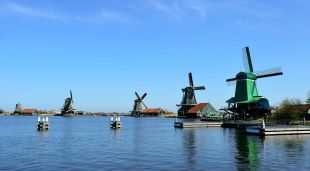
137	108
68	109
189	98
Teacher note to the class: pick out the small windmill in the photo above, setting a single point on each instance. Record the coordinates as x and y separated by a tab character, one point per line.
189	99
247	102
68	106
137	108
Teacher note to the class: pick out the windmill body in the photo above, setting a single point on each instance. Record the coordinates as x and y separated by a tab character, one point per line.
137	107
247	103
68	109
189	98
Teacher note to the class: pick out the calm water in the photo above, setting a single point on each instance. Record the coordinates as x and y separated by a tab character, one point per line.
87	143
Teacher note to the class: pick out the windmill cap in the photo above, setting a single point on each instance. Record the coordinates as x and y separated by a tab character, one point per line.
245	75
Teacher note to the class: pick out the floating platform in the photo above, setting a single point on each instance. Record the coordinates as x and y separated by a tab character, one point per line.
279	130
197	124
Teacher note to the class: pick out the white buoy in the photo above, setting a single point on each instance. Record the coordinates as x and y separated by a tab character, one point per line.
39	119
46	119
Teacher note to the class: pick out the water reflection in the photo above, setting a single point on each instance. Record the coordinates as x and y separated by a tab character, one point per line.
189	144
248	149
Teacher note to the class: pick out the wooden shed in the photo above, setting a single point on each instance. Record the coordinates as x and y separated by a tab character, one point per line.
152	112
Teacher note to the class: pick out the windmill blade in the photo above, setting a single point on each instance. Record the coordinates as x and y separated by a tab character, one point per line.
144	104
71	96
231	83
247	61
269	73
231	79
143	96
200	88
137	95
190	77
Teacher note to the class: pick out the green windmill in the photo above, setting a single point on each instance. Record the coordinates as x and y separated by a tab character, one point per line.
247	103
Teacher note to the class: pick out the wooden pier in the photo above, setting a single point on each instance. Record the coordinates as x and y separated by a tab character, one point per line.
197	124
278	130
240	124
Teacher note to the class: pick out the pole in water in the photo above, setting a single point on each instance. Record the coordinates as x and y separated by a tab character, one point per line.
264	126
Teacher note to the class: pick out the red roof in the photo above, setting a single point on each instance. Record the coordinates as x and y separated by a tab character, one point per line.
304	108
29	111
198	107
152	110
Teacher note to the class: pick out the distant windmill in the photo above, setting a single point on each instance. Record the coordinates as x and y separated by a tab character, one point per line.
189	99
247	102
68	109
137	108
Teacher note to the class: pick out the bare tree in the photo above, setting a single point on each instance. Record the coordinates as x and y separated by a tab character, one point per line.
308	98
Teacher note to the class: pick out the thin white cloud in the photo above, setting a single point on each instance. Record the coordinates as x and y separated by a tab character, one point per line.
104	16
172	9
198	6
245	8
179	9
26	11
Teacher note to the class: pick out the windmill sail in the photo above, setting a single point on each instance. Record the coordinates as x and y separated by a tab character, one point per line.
269	72
144	95
191	82
200	88
247	61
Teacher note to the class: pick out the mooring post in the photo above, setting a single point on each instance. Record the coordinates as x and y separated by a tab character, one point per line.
304	120
42	125
115	124
263	124
46	123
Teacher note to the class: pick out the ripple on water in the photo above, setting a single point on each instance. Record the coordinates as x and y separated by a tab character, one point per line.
87	143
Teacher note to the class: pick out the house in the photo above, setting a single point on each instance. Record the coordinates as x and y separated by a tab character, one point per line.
203	110
303	110
29	112
152	112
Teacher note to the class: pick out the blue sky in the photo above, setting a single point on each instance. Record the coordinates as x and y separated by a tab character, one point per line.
105	50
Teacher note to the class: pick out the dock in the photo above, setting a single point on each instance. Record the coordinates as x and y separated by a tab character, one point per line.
241	124
278	130
197	124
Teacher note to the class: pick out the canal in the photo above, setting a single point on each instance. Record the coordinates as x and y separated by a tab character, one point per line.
87	143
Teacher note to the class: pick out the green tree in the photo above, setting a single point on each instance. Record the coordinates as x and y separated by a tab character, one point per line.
1	111
289	110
